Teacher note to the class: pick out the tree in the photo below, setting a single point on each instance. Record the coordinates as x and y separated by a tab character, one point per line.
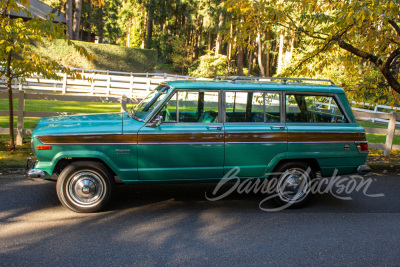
17	60
364	29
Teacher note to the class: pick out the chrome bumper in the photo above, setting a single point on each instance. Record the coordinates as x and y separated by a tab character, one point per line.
363	170
33	173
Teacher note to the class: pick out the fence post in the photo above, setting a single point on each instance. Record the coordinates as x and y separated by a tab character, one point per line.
124	99
148	85
165	76
108	82
20	122
92	85
131	85
390	135
375	111
64	90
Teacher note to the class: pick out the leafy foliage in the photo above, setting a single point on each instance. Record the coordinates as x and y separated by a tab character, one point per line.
17	59
209	66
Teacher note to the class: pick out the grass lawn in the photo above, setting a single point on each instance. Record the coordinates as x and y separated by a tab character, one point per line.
56	106
378	138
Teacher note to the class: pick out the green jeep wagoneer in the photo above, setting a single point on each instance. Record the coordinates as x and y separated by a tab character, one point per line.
197	131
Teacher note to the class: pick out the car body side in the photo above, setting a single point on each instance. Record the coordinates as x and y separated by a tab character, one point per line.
128	147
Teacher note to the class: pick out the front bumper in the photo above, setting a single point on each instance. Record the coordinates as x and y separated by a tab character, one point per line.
31	172
363	170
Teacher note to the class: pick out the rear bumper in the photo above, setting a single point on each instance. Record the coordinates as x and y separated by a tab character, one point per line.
363	169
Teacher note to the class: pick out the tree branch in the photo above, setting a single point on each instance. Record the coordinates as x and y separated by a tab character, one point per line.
395	26
356	51
391	57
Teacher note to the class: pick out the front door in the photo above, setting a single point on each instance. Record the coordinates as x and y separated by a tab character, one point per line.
189	144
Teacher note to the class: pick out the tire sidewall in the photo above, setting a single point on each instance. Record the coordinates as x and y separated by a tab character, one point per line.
310	177
70	171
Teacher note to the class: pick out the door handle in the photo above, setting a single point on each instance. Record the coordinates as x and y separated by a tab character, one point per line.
278	127
214	127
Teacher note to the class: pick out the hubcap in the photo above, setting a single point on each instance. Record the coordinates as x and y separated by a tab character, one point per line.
294	185
86	188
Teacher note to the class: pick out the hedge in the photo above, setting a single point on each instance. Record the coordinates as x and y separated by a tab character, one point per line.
107	57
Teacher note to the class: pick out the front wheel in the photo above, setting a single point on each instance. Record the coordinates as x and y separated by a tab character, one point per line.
293	184
85	186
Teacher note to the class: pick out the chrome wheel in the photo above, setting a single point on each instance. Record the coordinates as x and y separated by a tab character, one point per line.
293	185
86	188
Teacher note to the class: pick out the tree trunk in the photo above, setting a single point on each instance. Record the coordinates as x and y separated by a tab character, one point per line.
267	63
149	25
209	39
100	26
259	55
144	30
10	101
128	41
77	19
218	44
68	17
240	61
280	55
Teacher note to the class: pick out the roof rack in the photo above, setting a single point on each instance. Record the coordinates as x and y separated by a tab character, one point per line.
284	80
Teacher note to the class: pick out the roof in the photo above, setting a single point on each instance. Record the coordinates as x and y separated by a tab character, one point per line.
39	9
269	86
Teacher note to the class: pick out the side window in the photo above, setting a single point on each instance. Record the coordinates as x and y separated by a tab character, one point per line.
191	107
313	109
252	107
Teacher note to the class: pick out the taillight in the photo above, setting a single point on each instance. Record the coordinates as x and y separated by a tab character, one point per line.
362	147
43	147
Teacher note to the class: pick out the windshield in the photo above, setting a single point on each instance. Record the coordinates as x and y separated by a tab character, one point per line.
151	101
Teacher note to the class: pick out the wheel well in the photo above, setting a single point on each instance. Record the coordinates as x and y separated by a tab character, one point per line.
313	163
62	163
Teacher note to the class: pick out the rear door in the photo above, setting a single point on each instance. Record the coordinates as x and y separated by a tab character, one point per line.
254	131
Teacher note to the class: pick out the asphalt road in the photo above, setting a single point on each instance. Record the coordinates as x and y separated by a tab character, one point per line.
175	225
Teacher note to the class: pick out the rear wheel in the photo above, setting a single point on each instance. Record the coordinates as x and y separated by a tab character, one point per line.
293	189
85	186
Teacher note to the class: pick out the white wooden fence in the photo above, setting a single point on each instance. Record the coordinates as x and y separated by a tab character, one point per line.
21	113
390	132
98	82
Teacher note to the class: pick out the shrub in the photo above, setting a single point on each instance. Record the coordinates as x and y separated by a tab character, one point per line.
209	66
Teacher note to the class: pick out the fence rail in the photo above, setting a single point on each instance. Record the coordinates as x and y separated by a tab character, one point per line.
21	113
390	132
97	82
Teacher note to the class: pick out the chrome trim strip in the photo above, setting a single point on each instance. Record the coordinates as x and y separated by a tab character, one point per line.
325	132
184	143
320	142
271	142
267	131
84	134
89	143
175	133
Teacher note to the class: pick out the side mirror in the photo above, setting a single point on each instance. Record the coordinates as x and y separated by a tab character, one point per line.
156	122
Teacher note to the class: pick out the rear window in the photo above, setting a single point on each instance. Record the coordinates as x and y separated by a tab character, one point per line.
313	109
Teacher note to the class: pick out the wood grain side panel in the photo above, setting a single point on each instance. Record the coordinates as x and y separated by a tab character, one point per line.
89	139
328	137
256	137
181	138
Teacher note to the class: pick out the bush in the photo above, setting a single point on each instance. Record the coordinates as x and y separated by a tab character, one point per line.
209	66
107	57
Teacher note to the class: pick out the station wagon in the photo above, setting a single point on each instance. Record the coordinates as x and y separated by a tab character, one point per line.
197	131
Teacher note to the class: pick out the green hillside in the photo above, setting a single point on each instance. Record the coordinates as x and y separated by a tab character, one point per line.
107	57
